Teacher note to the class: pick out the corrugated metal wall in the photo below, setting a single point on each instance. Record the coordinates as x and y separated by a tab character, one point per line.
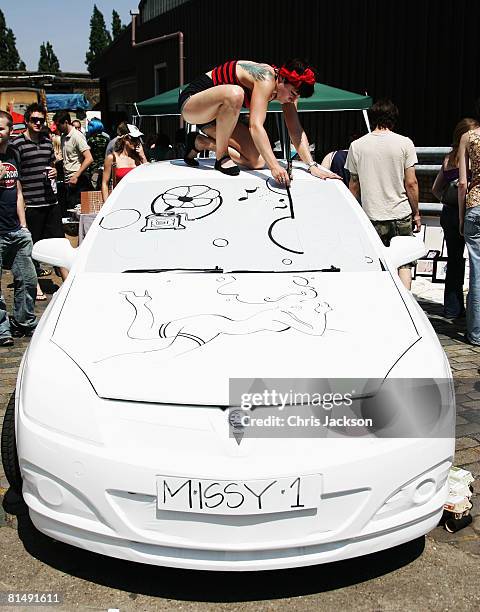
152	8
422	54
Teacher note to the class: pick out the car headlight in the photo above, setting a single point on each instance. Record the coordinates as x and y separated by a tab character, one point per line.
55	393
398	408
415	408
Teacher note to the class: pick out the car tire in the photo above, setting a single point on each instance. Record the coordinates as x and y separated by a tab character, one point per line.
9	448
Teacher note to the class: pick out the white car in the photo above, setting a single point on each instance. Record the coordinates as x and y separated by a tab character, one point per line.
140	419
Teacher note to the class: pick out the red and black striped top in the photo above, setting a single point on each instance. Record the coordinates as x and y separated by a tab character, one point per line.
226	74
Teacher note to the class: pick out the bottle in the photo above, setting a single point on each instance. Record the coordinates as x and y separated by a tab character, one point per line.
50	183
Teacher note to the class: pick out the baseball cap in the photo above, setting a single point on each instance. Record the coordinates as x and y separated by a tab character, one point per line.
133	131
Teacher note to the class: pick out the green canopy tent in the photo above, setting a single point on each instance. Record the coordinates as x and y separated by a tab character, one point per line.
325	98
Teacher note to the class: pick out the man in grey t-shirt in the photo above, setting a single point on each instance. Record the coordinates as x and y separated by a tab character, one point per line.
382	172
76	159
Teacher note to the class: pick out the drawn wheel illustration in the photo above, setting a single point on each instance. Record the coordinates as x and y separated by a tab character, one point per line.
196	201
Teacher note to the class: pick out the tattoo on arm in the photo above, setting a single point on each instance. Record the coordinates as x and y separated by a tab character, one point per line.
258	72
354	177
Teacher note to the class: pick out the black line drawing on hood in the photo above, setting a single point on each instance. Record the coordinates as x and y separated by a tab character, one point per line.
290	217
119	219
297	309
177	205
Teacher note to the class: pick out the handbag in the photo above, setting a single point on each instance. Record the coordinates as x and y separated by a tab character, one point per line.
450	194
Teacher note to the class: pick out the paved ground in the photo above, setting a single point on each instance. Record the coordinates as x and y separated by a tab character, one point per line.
440	572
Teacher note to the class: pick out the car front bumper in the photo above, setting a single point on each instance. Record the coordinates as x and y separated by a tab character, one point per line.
101	496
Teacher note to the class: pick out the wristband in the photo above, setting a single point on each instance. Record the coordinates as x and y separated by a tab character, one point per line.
313	163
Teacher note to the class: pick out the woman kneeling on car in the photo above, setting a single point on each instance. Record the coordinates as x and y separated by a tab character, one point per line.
214	100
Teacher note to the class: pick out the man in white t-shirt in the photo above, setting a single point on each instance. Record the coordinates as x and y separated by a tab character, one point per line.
382	173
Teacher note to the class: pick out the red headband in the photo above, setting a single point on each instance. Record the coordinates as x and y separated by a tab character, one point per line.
296	79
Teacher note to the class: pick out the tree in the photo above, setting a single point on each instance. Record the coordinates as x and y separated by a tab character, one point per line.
100	38
117	26
9	57
48	61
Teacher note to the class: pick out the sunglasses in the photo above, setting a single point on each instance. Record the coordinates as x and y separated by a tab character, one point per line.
39	120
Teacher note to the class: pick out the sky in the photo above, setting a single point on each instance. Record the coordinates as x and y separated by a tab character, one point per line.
64	23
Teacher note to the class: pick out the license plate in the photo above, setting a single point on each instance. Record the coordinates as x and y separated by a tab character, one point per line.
286	494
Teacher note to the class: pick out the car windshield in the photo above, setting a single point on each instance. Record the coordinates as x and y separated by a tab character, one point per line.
247	225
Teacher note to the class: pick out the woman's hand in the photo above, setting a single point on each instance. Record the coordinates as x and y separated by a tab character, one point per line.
323	174
139	149
280	175
461	221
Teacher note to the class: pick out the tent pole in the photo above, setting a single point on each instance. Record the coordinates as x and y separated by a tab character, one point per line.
286	145
367	122
288	148
283	137
277	122
365	117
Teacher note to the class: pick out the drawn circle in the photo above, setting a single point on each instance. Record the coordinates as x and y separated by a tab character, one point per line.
287	262
119	219
195	201
220	242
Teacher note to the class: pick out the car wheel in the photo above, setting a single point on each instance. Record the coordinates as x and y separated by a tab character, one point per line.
9	448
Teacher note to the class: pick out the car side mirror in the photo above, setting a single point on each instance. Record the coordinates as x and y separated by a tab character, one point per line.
55	251
404	249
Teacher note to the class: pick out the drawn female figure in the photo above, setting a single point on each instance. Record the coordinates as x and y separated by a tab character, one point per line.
300	311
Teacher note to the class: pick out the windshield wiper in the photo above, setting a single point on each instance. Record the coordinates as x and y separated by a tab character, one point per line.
218	270
159	270
330	269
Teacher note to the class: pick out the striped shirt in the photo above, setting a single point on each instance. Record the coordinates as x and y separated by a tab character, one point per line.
226	74
34	158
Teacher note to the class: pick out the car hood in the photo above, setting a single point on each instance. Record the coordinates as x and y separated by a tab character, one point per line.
181	337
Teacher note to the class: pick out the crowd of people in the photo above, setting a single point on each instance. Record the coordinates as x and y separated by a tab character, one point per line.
44	171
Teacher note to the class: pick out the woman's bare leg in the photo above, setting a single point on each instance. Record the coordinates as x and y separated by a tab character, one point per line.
242	149
222	103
